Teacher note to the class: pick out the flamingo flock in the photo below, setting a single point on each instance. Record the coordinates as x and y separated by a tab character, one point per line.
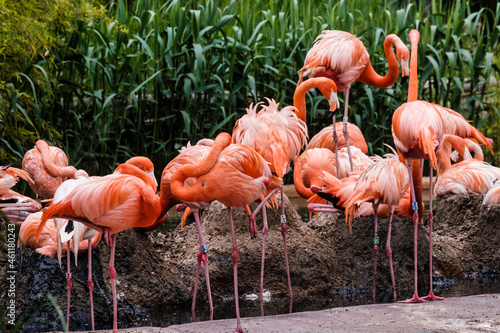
332	170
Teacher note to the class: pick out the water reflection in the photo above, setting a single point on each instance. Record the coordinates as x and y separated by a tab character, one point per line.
314	302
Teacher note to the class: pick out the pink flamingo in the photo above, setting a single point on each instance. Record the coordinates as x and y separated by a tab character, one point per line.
343	58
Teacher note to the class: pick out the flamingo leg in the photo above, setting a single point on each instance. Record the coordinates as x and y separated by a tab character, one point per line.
90	284
344	128
69	283
336	144
431	296
388	251
375	250
283	233
415	298
265	229
112	275
235	270
253	225
202	259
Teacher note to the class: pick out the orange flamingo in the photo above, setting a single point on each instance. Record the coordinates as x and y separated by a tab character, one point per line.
110	204
45	184
14	206
46	244
309	168
343	58
236	177
278	136
188	155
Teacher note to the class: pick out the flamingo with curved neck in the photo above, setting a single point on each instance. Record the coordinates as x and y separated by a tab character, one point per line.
343	58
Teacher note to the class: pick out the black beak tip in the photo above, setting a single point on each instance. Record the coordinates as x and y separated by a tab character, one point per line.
404	79
331	114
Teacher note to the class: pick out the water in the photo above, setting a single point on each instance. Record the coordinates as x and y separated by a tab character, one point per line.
280	304
314	302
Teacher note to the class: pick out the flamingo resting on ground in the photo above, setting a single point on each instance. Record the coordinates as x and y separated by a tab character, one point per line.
110	204
14	206
236	177
343	58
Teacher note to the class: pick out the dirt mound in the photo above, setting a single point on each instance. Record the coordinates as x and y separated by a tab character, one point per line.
156	271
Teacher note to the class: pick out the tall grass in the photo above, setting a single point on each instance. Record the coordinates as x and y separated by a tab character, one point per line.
161	73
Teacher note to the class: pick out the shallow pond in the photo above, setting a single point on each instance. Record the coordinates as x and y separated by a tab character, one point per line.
280	304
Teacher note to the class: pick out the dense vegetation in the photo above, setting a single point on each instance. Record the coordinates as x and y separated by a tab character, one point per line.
108	80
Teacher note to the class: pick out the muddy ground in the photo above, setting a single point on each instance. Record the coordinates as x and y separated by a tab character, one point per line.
156	270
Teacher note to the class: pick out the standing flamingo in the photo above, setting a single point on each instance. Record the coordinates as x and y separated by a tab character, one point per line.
385	182
235	176
418	128
343	58
278	136
111	204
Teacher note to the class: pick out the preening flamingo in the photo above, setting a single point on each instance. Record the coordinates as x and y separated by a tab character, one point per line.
45	184
343	58
110	204
188	155
235	176
385	182
278	136
46	244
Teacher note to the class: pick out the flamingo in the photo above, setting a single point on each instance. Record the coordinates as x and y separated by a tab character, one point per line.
313	162
13	205
45	184
278	136
385	181
343	58
324	138
469	176
236	177
418	128
492	197
46	244
188	155
110	204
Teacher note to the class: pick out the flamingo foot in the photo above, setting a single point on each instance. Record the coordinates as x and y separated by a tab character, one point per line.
414	299
239	330
432	297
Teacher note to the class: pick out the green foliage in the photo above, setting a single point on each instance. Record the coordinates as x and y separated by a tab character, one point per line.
156	74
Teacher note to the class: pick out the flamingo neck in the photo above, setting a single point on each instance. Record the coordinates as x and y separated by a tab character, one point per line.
189	170
129	169
413	85
325	85
303	191
372	78
48	163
